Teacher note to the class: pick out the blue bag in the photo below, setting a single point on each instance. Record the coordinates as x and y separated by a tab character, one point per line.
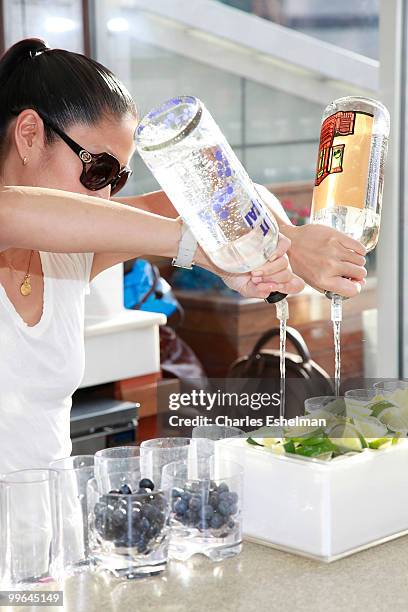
145	289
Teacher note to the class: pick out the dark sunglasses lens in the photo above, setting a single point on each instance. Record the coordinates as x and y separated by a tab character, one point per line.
120	181
100	172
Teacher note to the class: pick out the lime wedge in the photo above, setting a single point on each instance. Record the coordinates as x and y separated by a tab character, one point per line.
271	442
378	406
302	431
370	427
394	419
347	437
325	415
400	399
266	432
380	443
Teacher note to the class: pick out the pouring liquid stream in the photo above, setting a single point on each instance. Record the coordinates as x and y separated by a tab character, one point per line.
336	317
282	354
282	312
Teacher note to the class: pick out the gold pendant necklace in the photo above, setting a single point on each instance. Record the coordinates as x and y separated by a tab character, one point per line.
25	287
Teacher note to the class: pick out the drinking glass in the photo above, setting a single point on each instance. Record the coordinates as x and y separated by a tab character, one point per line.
216	432
330	404
127	518
157	452
206	507
31	529
387	388
359	402
394	404
74	473
117	466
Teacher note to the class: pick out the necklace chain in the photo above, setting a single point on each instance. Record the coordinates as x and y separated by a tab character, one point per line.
25	287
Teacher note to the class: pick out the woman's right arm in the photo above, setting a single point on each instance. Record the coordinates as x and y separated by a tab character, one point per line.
61	221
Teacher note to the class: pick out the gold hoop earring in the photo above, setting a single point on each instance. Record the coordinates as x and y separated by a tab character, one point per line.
25	161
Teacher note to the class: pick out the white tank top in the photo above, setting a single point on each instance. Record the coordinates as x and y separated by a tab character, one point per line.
41	366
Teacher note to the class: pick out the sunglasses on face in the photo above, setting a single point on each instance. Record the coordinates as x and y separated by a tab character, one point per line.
98	170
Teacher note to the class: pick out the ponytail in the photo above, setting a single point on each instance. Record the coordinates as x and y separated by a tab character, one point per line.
68	87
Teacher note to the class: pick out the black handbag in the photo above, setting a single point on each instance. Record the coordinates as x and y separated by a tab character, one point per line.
304	377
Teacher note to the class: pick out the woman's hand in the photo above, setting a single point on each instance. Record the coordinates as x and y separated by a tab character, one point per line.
274	275
327	259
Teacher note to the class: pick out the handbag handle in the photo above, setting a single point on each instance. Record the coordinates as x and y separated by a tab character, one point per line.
292	335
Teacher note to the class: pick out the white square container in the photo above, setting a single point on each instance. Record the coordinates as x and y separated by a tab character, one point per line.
322	509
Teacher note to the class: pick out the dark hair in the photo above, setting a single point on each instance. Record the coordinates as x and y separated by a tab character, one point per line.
69	87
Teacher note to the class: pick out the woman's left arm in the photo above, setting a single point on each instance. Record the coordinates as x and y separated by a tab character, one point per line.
280	276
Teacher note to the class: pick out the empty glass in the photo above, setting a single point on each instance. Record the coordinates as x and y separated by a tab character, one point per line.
158	452
127	518
31	528
216	432
74	473
206	502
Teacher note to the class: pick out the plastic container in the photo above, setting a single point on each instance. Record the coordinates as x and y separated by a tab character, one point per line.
322	509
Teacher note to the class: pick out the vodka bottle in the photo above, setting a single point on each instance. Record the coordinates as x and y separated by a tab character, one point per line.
349	181
350	168
187	153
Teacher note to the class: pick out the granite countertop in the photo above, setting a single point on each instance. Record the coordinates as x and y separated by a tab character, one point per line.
259	579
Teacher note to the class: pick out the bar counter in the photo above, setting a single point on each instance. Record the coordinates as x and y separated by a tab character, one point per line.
259	579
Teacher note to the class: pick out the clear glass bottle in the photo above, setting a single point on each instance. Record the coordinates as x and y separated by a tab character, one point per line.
350	168
191	159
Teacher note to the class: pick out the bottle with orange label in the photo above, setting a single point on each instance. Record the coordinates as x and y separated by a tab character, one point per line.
350	168
349	179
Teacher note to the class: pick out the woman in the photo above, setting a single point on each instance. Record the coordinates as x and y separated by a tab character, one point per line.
53	242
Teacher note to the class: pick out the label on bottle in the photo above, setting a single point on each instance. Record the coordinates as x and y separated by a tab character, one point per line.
343	160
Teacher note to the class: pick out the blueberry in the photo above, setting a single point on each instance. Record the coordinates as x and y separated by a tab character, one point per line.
145	524
118	518
203	525
223	508
141	546
207	512
180	507
214	499
223	487
217	521
149	511
186	496
195	503
213	485
224	496
99	509
142	491
231	524
233	509
234	497
146	483
176	492
125	489
196	487
160	501
192	517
